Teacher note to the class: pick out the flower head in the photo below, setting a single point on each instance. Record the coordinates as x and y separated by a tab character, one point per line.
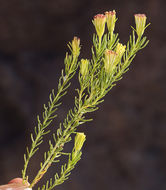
99	23
109	60
140	21
84	67
120	49
111	19
76	46
79	141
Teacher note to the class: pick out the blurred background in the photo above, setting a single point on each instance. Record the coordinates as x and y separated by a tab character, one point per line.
126	142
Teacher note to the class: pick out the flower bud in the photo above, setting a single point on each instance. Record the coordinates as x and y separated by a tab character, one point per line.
111	19
79	141
76	46
140	21
84	67
120	49
99	23
109	60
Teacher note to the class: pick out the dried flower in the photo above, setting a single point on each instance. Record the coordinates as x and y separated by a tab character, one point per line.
84	67
140	21
109	60
99	23
111	19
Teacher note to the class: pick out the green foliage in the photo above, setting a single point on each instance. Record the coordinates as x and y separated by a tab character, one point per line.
49	110
110	60
74	157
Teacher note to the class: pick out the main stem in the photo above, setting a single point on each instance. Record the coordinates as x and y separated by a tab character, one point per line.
60	142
